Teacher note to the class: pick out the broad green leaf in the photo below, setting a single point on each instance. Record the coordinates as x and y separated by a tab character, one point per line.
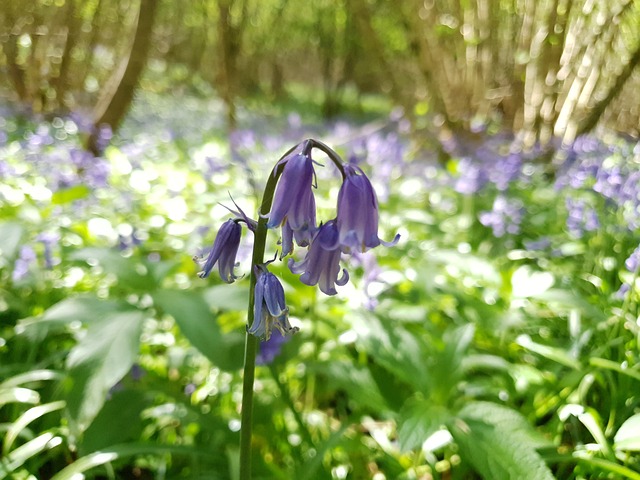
25	419
10	236
628	435
20	455
85	309
417	421
356	381
117	422
101	358
199	326
498	442
505	419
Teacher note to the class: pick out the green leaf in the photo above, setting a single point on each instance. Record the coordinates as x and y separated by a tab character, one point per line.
356	381
25	419
628	435
565	300
499	443
85	309
226	297
417	421
552	353
199	326
111	454
18	395
20	455
103	356
29	377
131	272
118	422
71	194
10	239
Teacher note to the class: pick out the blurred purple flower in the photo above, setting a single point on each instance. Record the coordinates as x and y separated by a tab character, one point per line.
580	217
23	263
270	309
224	250
505	216
472	177
505	170
622	291
321	265
271	348
49	240
633	262
543	243
357	218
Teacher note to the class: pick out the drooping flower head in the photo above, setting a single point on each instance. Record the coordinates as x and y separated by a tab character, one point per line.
269	308
293	201
321	265
225	248
357	219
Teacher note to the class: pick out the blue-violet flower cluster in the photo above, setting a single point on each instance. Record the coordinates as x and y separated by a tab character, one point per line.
293	210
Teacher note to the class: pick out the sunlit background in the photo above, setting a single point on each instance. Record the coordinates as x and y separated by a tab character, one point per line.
498	339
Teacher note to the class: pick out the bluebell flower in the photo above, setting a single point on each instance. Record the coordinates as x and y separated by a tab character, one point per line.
293	201
357	219
321	265
271	348
225	248
23	263
505	217
269	308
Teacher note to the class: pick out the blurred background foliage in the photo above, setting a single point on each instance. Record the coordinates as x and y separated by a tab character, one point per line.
498	339
545	68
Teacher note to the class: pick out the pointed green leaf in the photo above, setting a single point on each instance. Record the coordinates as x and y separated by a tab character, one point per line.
418	420
119	421
103	356
85	309
23	453
199	326
498	442
10	236
25	419
628	435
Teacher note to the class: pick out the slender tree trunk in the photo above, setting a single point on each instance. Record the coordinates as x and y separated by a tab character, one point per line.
61	83
119	91
592	119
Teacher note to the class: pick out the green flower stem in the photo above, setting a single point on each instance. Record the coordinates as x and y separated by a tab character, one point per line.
251	344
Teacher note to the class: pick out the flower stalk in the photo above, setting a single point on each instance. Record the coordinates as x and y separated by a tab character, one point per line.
252	342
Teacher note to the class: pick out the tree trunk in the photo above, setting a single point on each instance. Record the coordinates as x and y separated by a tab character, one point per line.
118	93
592	119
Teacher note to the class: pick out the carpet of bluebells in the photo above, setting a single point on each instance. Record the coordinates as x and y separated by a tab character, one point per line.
497	339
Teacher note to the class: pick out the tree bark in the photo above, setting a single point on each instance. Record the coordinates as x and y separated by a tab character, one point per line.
598	109
118	93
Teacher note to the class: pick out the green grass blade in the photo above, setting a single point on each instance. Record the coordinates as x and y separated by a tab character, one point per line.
25	419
